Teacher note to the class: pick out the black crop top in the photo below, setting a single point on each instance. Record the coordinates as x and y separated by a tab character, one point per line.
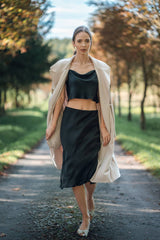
82	85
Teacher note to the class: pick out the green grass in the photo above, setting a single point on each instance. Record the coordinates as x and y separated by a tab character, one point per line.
20	130
144	144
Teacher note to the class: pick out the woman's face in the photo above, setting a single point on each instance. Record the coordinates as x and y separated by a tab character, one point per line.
82	43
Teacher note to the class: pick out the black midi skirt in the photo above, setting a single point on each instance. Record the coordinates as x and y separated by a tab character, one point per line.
80	138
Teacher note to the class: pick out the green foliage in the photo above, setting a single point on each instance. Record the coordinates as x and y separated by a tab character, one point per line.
27	68
61	48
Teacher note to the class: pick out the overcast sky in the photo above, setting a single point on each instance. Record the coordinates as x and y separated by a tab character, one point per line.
69	14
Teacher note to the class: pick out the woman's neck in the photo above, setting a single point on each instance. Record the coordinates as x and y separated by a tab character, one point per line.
82	59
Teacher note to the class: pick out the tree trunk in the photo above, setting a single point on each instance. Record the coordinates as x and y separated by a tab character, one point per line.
154	102
119	99
158	95
16	98
118	87
129	94
5	95
5	98
145	78
2	109
0	102
29	96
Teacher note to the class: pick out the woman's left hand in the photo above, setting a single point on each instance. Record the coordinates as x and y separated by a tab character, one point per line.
105	136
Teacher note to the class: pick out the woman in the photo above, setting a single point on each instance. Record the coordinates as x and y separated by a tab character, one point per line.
82	129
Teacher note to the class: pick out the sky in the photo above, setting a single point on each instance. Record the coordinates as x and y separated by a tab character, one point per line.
69	14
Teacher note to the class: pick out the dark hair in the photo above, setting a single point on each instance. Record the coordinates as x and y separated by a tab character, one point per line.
81	29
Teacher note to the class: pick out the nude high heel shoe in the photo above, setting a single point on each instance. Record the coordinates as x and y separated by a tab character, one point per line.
84	232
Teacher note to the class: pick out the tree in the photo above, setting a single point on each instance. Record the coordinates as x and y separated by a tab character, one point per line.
28	68
20	23
130	40
20	19
145	15
121	42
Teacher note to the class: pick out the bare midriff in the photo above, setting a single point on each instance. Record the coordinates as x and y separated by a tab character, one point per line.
82	104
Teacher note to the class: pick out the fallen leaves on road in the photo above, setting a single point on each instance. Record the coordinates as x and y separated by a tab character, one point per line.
15	189
2	235
129	152
3	174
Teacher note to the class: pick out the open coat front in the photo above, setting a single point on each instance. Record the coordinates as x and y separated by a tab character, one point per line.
107	169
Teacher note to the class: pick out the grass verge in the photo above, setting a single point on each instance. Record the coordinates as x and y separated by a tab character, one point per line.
20	131
143	144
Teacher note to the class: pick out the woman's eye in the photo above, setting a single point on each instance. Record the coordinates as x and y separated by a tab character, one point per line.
79	41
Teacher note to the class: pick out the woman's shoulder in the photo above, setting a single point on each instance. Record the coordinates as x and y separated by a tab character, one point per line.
101	64
59	64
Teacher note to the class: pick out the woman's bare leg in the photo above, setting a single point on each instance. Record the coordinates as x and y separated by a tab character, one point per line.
90	190
80	194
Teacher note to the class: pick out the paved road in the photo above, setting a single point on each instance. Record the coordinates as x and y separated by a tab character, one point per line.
32	206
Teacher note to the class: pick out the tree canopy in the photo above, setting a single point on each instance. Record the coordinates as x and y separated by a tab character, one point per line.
24	57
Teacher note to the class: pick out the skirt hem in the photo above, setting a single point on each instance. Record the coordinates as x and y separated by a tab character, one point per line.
75	185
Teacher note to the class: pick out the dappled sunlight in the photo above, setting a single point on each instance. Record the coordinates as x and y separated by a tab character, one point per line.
32	175
19	200
149	210
128	163
138	141
36	157
144	144
26	113
25	180
124	207
99	201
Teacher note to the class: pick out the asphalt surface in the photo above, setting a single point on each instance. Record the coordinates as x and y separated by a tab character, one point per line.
32	205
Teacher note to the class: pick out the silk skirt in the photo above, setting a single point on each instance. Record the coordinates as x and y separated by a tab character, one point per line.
80	138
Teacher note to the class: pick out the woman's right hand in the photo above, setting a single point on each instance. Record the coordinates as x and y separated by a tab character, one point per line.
49	131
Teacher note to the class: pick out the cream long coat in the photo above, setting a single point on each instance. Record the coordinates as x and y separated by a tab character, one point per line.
107	169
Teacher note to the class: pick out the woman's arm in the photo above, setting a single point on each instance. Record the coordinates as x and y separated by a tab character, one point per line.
52	126
105	134
58	107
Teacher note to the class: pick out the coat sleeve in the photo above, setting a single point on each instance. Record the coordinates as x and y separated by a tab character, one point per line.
110	102
108	71
52	72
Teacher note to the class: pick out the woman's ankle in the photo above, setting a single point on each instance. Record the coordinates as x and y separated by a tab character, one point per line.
91	204
86	218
